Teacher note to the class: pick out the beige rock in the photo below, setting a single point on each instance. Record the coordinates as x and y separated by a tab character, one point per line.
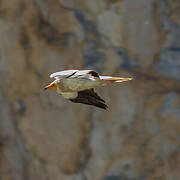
43	136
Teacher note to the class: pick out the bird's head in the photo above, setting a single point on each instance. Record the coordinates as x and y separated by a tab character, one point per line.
51	86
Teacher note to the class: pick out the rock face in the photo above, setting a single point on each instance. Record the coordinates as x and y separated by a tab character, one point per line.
45	137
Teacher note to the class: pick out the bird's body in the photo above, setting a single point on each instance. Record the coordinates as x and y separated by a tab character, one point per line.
77	85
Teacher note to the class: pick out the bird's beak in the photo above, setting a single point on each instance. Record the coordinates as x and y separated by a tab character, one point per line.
51	86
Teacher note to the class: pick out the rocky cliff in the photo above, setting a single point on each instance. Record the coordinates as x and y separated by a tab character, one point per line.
45	137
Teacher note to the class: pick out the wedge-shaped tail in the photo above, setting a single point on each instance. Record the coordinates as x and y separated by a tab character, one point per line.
114	79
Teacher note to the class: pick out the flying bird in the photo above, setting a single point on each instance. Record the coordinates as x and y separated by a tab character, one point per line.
78	86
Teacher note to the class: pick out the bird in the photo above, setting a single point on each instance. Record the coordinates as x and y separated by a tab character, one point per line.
78	86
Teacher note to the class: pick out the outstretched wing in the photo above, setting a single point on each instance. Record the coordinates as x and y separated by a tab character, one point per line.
91	98
75	74
63	74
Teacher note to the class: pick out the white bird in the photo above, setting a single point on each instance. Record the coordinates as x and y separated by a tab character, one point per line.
78	86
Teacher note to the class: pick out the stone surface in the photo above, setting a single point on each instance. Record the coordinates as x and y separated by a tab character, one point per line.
169	64
45	137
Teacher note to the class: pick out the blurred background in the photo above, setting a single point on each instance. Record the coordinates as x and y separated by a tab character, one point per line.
45	137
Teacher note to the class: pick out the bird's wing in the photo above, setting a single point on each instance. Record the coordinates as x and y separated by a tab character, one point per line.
91	98
75	74
63	74
84	73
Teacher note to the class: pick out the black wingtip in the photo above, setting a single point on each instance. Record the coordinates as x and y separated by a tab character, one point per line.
100	105
106	108
91	98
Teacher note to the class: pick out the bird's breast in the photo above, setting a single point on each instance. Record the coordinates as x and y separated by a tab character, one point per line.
77	84
69	95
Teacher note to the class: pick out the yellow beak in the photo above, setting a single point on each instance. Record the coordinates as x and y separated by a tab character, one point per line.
51	86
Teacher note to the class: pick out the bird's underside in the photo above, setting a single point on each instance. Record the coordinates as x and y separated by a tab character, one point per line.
91	98
78	86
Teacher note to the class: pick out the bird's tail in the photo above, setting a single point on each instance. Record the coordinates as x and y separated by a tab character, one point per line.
114	79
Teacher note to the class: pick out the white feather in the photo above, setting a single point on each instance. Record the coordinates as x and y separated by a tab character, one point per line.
105	77
62	74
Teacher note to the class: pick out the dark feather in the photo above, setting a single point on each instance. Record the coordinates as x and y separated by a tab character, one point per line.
91	98
92	93
71	75
94	73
